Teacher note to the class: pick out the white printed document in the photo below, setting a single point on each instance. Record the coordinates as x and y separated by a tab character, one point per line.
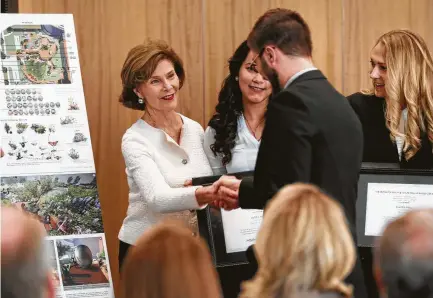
386	201
240	228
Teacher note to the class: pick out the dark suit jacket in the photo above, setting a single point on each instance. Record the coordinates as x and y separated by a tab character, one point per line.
311	135
378	146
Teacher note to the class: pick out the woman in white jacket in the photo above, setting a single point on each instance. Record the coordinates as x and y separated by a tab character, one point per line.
162	149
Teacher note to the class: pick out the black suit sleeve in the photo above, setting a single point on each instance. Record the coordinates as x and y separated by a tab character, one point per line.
285	153
247	198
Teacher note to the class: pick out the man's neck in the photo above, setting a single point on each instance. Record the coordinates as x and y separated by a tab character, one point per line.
292	65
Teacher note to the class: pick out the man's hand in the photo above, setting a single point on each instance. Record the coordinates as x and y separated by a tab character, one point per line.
228	182
227	192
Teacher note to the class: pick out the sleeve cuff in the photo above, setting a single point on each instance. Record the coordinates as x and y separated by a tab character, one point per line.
246	193
197	206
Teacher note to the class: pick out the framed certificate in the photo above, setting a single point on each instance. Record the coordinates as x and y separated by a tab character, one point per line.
385	192
228	233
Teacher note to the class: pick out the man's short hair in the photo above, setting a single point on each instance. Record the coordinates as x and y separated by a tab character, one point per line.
283	28
405	255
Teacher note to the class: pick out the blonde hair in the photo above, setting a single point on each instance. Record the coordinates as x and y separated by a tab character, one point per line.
410	83
304	245
168	261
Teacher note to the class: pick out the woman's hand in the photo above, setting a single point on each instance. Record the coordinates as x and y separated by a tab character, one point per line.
211	194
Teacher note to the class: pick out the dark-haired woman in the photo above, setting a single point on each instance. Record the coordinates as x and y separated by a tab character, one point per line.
232	139
162	149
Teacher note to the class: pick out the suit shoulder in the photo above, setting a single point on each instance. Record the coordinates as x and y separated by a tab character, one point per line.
357	98
289	98
364	104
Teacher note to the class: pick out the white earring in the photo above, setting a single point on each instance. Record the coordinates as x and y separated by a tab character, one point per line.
237	78
140	100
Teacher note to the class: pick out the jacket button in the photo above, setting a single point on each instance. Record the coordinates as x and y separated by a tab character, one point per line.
184	161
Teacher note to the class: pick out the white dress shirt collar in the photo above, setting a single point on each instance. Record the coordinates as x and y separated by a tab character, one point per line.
298	74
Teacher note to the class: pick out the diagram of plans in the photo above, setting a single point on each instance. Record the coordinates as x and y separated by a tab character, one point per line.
35	54
43	117
47	169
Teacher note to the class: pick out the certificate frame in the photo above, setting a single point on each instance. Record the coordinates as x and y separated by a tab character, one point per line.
382	173
212	230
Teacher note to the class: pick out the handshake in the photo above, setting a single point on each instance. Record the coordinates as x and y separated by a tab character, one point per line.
223	193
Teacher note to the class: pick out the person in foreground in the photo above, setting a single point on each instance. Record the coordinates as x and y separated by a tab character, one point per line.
397	113
25	271
404	256
163	149
232	139
167	261
304	247
311	133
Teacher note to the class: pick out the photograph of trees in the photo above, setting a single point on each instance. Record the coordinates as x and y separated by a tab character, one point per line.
65	204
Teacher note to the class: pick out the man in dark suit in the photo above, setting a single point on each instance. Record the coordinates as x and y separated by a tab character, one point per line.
311	134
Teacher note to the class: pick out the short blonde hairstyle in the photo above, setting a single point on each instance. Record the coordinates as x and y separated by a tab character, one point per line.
410	82
168	261
304	245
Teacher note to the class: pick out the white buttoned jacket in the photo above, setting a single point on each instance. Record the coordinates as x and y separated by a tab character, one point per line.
157	168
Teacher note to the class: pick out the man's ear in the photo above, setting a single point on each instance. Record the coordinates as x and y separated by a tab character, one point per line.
270	55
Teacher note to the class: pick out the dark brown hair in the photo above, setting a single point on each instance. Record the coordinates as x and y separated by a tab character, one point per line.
168	261
139	65
283	28
229	107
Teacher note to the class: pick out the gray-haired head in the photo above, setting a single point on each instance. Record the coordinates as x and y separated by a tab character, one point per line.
404	256
24	261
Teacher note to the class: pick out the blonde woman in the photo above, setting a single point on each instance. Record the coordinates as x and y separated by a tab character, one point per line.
397	114
167	261
304	248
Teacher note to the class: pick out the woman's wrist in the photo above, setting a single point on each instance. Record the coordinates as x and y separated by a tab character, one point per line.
203	195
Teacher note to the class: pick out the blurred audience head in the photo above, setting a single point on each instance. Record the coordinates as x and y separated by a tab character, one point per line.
167	261
303	246
24	269
404	256
402	73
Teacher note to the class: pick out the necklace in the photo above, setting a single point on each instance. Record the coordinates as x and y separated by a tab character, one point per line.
254	131
174	135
